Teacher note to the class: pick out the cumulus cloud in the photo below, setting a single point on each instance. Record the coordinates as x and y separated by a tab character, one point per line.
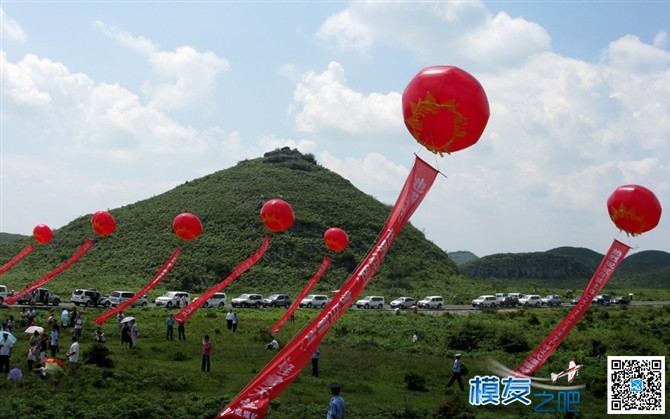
324	102
10	29
186	77
463	32
82	117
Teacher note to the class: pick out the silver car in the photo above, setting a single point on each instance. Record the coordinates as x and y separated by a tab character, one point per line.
120	297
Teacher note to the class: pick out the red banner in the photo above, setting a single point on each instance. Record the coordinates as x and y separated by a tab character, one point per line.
244	266
253	401
319	273
160	275
611	260
16	259
88	244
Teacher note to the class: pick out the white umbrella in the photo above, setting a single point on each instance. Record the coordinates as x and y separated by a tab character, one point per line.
127	319
33	329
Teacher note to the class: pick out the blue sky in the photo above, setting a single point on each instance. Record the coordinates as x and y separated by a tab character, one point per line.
108	103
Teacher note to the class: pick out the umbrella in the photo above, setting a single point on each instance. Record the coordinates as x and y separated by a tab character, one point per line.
53	365
10	337
33	329
127	319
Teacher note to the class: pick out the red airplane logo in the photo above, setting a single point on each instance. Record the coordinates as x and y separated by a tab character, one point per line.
571	372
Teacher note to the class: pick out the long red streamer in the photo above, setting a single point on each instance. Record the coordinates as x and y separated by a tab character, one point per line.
158	277
319	273
243	266
88	244
16	259
253	401
609	263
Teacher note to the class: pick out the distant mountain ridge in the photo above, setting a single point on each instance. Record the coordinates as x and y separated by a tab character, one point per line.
645	269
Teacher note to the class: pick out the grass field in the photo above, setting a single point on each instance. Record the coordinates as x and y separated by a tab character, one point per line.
370	353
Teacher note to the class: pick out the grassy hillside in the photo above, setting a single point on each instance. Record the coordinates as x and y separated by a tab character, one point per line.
228	203
383	374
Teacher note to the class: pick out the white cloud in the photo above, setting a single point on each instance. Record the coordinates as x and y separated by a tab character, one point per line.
186	77
138	44
461	32
324	102
10	28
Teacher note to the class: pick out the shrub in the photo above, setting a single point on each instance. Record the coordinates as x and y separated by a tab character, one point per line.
415	381
98	354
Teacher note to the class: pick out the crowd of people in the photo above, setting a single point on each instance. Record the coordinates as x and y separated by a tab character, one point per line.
44	344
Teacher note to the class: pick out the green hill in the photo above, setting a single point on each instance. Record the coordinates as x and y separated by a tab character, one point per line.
228	203
462	256
571	267
11	238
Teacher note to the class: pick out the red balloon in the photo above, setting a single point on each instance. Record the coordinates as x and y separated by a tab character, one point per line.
336	239
634	209
277	215
187	226
42	234
103	223
445	109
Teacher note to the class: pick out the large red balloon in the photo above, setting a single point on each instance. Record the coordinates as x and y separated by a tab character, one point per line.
277	215
445	109
336	239
42	234
187	226
103	223
634	209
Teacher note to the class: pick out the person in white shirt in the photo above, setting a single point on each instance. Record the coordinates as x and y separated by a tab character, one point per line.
73	355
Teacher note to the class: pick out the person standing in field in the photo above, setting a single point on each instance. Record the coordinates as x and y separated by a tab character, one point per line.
134	331
229	320
337	405
235	321
315	363
170	328
457	373
73	355
181	331
206	352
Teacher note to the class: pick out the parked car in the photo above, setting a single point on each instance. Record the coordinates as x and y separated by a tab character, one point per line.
371	301
314	301
247	300
4	293
216	300
602	299
403	302
277	300
575	300
516	295
485	301
508	302
621	300
552	300
42	296
120	297
89	297
173	299
531	300
432	301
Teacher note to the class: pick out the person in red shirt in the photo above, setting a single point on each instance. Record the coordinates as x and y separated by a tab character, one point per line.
206	352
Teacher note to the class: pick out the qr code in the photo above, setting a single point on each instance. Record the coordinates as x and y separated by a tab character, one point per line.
636	385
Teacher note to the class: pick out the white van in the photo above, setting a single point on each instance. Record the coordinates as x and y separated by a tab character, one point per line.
120	297
371	301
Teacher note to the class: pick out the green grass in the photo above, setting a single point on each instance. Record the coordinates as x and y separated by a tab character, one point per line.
369	352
